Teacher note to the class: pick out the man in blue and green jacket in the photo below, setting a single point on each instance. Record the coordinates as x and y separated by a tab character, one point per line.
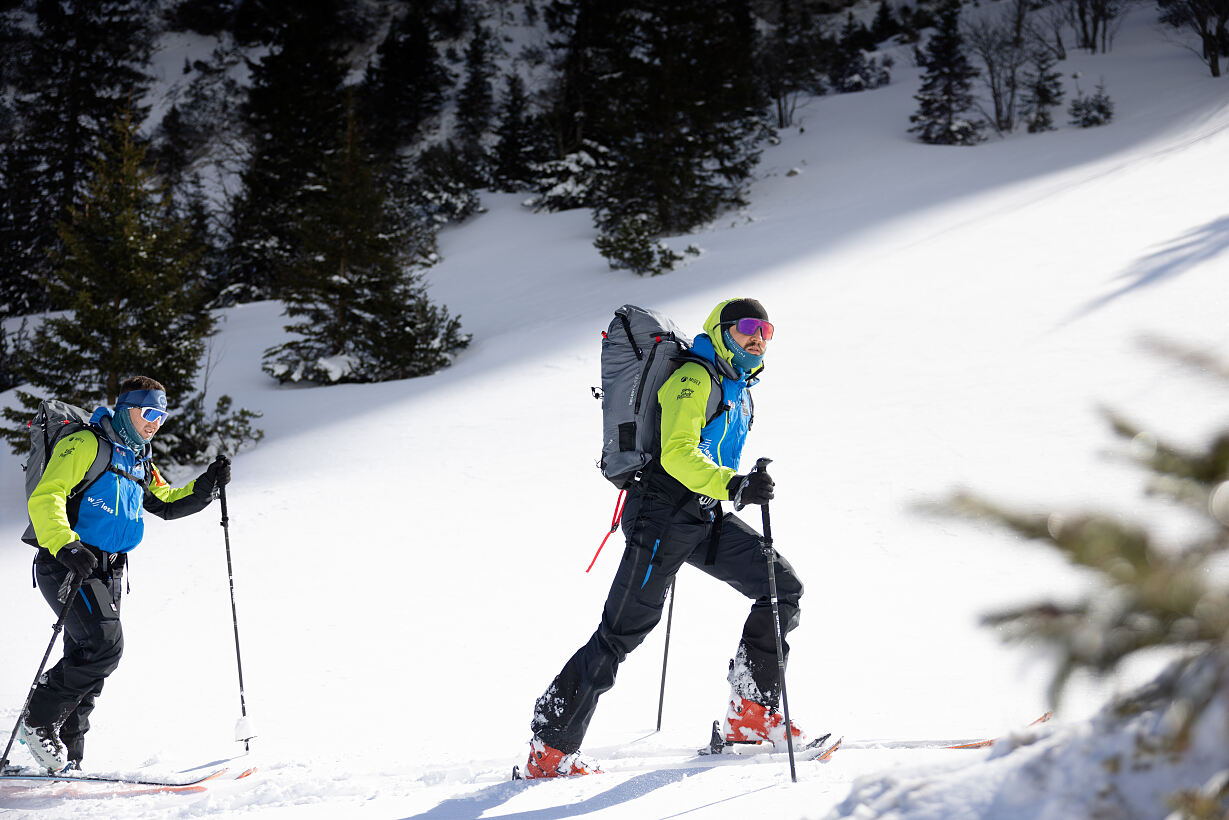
672	517
88	535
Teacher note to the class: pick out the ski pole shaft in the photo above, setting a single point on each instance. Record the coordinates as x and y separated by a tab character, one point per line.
661	697
73	588
770	553
234	613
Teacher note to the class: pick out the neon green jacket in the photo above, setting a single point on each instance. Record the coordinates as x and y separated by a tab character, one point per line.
703	456
115	522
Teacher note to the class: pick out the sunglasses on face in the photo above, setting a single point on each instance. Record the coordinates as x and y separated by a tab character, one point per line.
153	414
748	327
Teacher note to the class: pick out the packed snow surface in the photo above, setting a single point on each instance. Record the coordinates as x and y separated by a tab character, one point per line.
409	557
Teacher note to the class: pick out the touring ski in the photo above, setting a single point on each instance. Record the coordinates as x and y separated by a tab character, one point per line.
957	743
168	784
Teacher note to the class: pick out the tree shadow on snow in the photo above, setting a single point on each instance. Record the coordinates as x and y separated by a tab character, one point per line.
474	806
1193	248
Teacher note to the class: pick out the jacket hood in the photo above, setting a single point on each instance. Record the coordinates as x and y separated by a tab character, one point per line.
712	329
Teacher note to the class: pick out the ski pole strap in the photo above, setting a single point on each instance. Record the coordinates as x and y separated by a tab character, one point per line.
620	500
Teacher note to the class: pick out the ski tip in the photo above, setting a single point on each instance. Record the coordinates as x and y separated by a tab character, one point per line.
826	754
246	773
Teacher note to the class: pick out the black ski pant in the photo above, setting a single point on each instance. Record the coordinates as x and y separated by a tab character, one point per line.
93	644
661	537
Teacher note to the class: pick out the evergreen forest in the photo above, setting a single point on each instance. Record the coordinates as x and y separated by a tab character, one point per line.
311	152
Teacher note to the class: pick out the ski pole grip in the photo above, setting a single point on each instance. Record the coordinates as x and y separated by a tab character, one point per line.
761	464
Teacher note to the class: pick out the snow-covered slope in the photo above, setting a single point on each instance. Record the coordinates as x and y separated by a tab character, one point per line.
409	557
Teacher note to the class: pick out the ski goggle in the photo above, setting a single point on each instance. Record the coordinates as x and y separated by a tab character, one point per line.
748	327
153	414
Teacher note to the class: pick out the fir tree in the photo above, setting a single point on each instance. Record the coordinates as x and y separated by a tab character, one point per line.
404	86
362	316
946	95
683	113
1091	111
1043	90
295	88
587	48
13	347
476	98
516	150
81	66
850	69
174	147
1157	590
126	274
791	59
885	24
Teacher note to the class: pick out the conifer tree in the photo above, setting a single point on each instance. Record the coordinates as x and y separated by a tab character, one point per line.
850	69
516	150
885	24
586	45
126	273
1043	90
82	64
683	114
946	95
296	87
1159	589
405	84
790	59
1091	111
476	98
363	315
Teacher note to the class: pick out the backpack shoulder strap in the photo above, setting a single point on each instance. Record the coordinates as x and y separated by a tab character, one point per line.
716	396
102	461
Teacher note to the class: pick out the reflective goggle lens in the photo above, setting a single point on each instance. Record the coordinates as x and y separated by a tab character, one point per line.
748	327
153	414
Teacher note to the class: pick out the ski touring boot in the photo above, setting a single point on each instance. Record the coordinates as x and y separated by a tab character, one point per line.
547	761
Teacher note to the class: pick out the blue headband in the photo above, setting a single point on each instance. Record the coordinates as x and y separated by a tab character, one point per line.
142	398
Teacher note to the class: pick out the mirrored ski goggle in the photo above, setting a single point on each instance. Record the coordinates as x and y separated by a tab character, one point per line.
748	327
153	414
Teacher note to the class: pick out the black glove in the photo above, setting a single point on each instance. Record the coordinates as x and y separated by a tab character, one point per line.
753	488
216	475
80	561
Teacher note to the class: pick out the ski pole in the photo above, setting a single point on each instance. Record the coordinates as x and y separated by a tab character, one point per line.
72	585
661	697
243	728
770	552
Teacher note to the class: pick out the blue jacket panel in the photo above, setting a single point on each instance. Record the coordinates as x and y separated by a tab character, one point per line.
722	439
110	515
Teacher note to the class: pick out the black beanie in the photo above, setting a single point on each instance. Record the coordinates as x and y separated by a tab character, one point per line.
743	309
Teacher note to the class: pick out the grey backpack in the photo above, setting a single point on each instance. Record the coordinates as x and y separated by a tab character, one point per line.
640	349
53	421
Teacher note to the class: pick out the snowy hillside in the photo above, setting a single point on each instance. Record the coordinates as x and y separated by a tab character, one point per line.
409	557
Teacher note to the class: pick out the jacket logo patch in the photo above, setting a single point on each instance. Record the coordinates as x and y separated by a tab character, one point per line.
686	393
98	502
